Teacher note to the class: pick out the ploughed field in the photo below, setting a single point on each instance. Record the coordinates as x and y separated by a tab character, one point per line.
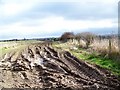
41	66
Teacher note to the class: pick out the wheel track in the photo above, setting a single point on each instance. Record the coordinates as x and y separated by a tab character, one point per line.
58	67
76	63
54	57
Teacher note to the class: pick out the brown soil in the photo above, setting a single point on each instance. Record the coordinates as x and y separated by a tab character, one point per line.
41	66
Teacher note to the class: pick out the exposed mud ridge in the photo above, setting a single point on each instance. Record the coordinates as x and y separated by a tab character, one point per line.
41	66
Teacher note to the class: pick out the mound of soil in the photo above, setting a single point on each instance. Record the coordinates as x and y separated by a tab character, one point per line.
41	66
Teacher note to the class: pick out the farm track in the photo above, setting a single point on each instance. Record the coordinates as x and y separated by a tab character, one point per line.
41	66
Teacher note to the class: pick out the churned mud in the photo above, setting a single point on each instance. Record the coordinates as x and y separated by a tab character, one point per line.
41	66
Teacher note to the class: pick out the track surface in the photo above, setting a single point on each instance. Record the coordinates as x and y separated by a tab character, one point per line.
41	66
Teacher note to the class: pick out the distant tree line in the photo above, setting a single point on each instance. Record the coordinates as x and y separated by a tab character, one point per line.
88	37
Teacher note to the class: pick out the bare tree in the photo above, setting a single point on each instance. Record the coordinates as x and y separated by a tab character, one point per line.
78	37
87	37
67	35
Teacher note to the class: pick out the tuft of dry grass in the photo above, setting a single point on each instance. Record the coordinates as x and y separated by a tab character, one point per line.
105	47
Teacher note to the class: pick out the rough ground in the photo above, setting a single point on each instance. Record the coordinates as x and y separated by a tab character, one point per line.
41	66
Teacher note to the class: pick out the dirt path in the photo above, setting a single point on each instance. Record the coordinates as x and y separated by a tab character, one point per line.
40	66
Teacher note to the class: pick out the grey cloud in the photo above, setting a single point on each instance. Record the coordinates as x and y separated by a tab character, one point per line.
68	10
75	10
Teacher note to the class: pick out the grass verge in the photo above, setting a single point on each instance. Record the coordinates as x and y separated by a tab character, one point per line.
93	58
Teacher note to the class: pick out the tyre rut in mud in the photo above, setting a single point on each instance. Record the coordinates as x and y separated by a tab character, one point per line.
44	67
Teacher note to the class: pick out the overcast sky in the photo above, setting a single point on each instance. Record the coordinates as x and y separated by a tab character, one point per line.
49	18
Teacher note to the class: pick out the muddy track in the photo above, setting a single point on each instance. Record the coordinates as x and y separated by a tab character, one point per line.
41	66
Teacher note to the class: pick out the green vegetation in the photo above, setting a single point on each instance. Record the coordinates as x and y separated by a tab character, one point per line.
4	50
13	45
93	58
9	49
113	66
